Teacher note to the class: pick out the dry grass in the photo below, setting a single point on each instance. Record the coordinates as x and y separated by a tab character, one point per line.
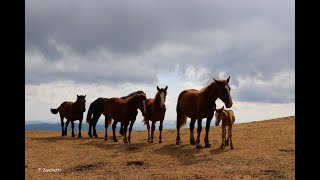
263	150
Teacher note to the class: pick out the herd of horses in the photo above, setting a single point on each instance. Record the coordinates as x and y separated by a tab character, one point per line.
192	103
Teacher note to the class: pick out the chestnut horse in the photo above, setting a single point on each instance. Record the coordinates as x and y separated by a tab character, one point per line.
156	110
95	110
122	110
72	111
199	104
228	118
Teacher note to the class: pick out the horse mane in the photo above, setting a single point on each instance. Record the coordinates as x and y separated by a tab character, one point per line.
129	98
133	93
207	87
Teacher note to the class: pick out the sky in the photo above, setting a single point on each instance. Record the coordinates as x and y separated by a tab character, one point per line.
112	48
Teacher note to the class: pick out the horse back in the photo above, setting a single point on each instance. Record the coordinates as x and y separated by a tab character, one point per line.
68	110
114	108
187	102
230	118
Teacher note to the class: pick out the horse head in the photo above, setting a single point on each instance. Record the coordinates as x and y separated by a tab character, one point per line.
82	102
162	93
223	91
219	115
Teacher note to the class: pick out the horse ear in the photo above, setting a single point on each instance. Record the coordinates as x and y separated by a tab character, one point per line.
166	88
228	79
222	108
77	95
214	79
158	88
84	96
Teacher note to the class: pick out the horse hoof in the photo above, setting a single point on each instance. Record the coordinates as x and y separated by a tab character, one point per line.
231	147
106	139
207	146
115	140
90	136
79	136
177	143
198	146
221	147
160	141
72	135
96	136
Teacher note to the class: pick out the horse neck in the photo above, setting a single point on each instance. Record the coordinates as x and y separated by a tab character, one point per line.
77	106
211	93
156	101
130	102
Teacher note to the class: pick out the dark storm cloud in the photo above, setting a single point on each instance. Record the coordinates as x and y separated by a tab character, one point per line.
133	41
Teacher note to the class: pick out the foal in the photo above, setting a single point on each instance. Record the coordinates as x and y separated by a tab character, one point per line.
228	118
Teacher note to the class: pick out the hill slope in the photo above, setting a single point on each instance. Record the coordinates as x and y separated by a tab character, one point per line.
263	150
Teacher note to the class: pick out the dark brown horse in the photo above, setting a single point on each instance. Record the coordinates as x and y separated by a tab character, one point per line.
72	111
122	110
156	110
228	118
95	110
199	104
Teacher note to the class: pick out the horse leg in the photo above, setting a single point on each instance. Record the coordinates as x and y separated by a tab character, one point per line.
223	135
121	128
90	126
62	125
148	127
199	132
179	119
72	127
192	141
125	132
79	127
94	129
106	118
95	119
66	127
153	127
206	138
113	131
230	136
160	129
130	129
226	139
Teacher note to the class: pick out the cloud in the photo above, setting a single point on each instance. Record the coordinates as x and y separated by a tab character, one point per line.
105	48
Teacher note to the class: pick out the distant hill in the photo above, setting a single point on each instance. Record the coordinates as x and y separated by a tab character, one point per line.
57	127
138	125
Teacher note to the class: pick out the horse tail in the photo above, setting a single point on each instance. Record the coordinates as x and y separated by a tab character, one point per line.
89	114
181	119
54	111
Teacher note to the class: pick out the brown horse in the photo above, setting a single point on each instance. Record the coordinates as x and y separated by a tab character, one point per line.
122	110
72	111
228	118
156	110
199	104
95	110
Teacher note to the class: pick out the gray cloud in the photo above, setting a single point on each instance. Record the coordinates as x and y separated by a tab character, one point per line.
133	41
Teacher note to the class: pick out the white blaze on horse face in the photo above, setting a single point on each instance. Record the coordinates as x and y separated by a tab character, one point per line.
227	88
144	107
162	99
